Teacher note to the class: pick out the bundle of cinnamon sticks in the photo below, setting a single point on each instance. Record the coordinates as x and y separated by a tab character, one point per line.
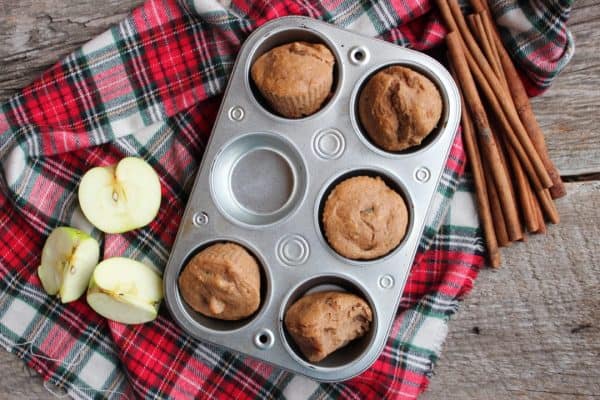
514	178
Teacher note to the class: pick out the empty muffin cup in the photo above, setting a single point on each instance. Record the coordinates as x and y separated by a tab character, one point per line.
258	179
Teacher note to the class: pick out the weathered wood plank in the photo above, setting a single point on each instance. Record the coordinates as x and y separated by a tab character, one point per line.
530	330
568	112
17	381
36	34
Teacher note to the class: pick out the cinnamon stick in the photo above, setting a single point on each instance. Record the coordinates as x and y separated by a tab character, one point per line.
489	38
524	192
521	101
480	35
501	151
453	27
482	128
538	212
548	206
527	200
544	200
479	6
489	34
481	195
496	208
504	123
497	90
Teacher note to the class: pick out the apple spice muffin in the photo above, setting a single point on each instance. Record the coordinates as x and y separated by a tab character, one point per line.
399	107
322	322
222	281
364	219
295	78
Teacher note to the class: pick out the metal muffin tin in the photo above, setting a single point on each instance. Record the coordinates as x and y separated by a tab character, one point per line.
263	182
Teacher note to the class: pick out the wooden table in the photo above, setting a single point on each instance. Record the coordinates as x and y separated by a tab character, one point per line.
529	330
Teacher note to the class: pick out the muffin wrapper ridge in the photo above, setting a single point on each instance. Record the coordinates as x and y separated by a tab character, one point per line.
299	106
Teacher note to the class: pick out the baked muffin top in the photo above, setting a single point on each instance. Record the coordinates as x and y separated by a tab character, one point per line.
364	219
322	322
222	281
295	78
399	107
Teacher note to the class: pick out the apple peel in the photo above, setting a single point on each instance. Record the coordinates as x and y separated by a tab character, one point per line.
122	197
125	291
69	257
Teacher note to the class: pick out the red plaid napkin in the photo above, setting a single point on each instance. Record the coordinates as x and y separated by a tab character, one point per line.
150	87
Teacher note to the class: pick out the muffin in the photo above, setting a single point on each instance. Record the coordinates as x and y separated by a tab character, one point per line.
295	78
222	281
322	322
398	108
364	219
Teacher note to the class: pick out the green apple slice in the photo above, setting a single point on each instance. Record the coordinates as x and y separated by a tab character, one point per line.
68	260
121	197
125	290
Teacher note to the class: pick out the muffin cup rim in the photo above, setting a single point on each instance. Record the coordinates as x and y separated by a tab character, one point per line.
411	151
338	79
342	175
286	303
266	293
295	160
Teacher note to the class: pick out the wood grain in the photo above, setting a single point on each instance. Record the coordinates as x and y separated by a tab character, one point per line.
17	381
529	330
568	111
36	34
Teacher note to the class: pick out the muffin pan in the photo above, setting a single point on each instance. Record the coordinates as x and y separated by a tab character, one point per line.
263	182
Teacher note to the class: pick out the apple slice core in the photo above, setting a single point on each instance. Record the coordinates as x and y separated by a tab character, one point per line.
121	197
68	259
77	273
125	290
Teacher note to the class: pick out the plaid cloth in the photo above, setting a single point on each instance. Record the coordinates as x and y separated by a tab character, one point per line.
150	87
536	36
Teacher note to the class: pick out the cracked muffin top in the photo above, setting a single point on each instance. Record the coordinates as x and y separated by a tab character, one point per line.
295	78
364	219
322	322
222	281
399	107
